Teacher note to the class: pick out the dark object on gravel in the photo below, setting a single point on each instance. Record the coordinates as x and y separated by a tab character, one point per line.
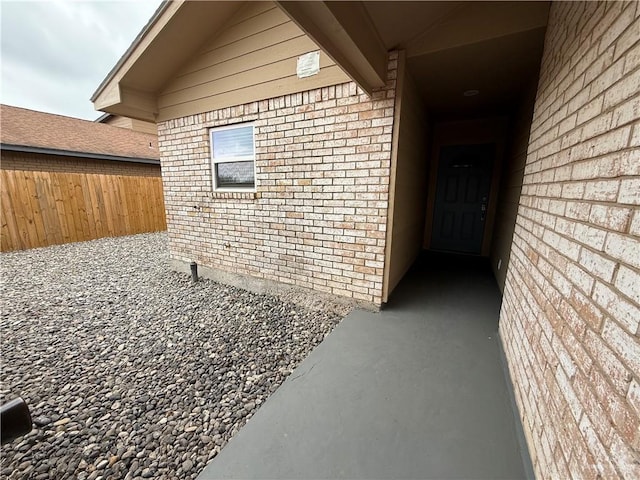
15	420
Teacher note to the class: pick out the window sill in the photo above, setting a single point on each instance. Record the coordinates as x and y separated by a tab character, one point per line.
235	194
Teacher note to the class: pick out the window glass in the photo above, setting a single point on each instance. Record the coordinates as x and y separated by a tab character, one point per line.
233	143
235	174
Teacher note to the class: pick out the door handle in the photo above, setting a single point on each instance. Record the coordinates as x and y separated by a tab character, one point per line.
483	208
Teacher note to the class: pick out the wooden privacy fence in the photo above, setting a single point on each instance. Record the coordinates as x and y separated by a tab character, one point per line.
41	208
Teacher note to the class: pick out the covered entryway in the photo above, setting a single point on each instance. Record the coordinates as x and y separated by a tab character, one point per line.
466	84
415	391
465	107
418	390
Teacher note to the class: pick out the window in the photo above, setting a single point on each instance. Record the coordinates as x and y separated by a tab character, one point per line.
233	157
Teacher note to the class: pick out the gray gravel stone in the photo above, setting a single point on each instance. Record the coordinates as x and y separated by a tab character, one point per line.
131	370
41	421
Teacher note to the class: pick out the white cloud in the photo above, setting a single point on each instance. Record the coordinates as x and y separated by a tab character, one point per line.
56	53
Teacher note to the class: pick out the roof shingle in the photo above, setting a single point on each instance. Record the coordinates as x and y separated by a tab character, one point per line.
29	128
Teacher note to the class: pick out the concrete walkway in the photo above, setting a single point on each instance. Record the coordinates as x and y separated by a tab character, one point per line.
415	391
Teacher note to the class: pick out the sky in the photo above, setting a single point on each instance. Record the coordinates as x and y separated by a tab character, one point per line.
55	53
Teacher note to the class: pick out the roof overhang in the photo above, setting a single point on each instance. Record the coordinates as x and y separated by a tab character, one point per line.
346	33
356	35
103	118
71	153
173	34
179	28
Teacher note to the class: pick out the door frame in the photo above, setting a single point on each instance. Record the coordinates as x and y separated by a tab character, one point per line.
467	132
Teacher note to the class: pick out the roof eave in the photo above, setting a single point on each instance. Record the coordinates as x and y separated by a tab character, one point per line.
175	33
135	45
102	118
346	33
70	153
113	96
343	30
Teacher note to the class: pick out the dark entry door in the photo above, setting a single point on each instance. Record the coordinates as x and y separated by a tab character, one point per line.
462	197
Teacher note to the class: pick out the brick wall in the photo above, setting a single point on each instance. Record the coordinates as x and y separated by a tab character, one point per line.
570	316
511	184
38	162
318	218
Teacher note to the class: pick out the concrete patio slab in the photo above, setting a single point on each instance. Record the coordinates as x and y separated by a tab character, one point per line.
415	391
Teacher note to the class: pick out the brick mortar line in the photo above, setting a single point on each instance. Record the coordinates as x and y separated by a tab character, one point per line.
578	126
594	362
565	102
601	113
631	123
586	223
530	182
607	204
588	295
624	149
583	245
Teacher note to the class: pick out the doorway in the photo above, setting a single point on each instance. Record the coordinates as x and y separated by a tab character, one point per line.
462	197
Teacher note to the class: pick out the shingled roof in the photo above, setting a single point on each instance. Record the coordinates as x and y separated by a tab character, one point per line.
39	132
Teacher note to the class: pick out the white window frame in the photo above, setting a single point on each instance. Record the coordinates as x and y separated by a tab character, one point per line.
242	158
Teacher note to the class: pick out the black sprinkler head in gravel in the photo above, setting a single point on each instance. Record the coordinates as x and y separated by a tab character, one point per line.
15	420
194	271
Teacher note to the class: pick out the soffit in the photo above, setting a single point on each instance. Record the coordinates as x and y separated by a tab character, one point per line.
172	37
190	27
345	33
451	47
499	68
399	23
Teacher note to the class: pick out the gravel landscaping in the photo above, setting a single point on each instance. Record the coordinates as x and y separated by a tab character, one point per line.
130	369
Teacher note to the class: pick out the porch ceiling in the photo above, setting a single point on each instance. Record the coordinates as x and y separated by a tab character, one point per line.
453	47
499	68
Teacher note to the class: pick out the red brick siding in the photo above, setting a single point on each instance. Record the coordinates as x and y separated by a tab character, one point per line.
571	309
318	219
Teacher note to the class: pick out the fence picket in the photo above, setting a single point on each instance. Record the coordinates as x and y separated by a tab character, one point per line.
41	208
